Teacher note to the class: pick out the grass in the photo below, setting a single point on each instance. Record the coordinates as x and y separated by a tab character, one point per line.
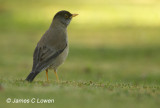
113	61
85	94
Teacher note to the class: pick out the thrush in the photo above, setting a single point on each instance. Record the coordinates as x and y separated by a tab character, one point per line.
52	49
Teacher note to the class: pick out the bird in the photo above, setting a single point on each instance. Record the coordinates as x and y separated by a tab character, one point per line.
52	49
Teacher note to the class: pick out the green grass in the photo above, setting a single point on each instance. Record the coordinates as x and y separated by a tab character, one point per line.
84	94
114	57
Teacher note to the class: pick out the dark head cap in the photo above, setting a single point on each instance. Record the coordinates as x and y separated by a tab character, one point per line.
64	17
63	13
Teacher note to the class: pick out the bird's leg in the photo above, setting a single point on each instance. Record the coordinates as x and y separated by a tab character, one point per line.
47	74
56	75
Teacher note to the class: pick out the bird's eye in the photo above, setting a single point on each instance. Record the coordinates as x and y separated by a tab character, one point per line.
66	16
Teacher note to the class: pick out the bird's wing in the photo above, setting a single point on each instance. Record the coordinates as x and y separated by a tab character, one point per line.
44	56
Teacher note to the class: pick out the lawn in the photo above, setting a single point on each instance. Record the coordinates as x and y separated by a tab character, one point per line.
114	57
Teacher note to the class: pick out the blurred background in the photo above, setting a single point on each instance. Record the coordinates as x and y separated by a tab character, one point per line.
110	40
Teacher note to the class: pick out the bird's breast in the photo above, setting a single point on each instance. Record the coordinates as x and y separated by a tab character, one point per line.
60	59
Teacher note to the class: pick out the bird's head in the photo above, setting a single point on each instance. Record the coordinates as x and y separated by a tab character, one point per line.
64	17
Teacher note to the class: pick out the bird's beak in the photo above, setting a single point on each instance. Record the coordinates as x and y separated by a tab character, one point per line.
73	15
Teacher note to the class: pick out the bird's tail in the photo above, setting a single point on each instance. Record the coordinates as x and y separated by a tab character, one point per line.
31	76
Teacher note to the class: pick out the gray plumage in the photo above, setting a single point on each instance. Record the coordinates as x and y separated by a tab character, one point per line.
52	49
